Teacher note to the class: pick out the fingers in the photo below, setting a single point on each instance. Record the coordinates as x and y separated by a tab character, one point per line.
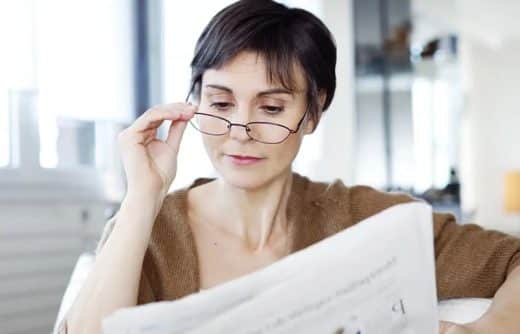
154	117
444	326
175	133
144	128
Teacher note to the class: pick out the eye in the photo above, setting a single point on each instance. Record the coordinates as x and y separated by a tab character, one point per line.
221	106
272	109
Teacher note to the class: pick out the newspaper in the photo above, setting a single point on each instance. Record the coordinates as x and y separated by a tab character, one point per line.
375	277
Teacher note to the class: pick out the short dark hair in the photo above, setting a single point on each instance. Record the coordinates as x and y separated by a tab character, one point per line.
281	35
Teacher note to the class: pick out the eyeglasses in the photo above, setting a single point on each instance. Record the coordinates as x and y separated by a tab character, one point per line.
263	132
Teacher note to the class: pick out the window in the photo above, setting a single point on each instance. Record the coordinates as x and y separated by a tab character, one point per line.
5	142
84	68
76	61
16	65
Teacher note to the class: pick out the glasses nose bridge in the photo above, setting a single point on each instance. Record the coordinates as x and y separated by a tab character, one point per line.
245	126
246	135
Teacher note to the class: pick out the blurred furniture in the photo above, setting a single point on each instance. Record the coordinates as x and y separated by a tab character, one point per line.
79	275
40	241
463	310
50	212
512	192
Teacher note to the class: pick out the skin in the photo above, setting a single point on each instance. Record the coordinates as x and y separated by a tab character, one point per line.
238	220
245	227
502	316
150	167
254	227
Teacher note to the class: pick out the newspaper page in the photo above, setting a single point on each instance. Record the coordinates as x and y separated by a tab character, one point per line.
375	277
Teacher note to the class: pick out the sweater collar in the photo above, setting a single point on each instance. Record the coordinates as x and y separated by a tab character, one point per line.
302	232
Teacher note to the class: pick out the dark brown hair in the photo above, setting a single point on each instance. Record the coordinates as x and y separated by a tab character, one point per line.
281	35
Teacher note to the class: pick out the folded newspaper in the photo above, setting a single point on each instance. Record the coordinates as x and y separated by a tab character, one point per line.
375	277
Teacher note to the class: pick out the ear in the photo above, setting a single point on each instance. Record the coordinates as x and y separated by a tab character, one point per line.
310	124
322	95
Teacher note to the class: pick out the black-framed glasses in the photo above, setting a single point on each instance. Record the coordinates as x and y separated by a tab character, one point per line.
263	132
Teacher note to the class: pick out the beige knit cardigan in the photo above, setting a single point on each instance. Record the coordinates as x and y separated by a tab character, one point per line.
470	261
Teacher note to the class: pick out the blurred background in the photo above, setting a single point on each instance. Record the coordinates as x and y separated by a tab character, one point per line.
427	102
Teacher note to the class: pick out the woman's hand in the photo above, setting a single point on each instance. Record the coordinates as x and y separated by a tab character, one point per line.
451	328
151	164
501	317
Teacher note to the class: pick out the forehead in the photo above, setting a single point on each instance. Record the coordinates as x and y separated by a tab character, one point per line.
248	70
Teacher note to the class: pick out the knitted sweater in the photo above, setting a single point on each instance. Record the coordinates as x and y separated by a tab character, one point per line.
470	261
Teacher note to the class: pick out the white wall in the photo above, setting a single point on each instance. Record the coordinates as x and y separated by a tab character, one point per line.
491	129
329	152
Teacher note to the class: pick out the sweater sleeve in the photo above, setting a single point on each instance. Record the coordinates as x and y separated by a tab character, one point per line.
471	261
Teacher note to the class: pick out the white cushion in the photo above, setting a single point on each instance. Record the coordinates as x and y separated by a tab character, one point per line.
463	310
79	275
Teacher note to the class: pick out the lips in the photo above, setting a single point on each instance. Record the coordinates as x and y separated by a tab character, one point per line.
239	156
243	159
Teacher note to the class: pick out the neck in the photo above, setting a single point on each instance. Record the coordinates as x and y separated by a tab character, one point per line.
258	215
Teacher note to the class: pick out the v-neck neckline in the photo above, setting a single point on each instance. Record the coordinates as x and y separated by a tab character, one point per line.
295	204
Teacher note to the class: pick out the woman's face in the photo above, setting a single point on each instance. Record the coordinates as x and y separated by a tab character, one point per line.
238	92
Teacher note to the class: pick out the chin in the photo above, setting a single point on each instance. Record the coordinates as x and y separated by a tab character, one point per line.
246	177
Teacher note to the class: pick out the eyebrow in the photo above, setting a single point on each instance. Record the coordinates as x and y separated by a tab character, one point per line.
262	93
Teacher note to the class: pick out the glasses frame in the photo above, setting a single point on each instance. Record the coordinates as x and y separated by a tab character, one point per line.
248	129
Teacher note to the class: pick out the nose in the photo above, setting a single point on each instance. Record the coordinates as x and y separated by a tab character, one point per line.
238	130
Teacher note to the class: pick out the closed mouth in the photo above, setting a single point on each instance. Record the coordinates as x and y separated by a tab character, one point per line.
243	157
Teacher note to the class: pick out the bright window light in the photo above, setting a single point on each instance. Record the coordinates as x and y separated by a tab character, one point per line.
84	67
16	63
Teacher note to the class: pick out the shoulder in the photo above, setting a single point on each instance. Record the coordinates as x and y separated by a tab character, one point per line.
367	201
172	214
360	201
175	204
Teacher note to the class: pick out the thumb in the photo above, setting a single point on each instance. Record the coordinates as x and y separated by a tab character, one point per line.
444	326
175	134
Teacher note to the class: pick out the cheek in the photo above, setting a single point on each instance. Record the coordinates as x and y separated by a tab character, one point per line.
204	108
287	151
279	155
211	144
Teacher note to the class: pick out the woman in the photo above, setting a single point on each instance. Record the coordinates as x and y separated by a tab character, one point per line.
262	76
